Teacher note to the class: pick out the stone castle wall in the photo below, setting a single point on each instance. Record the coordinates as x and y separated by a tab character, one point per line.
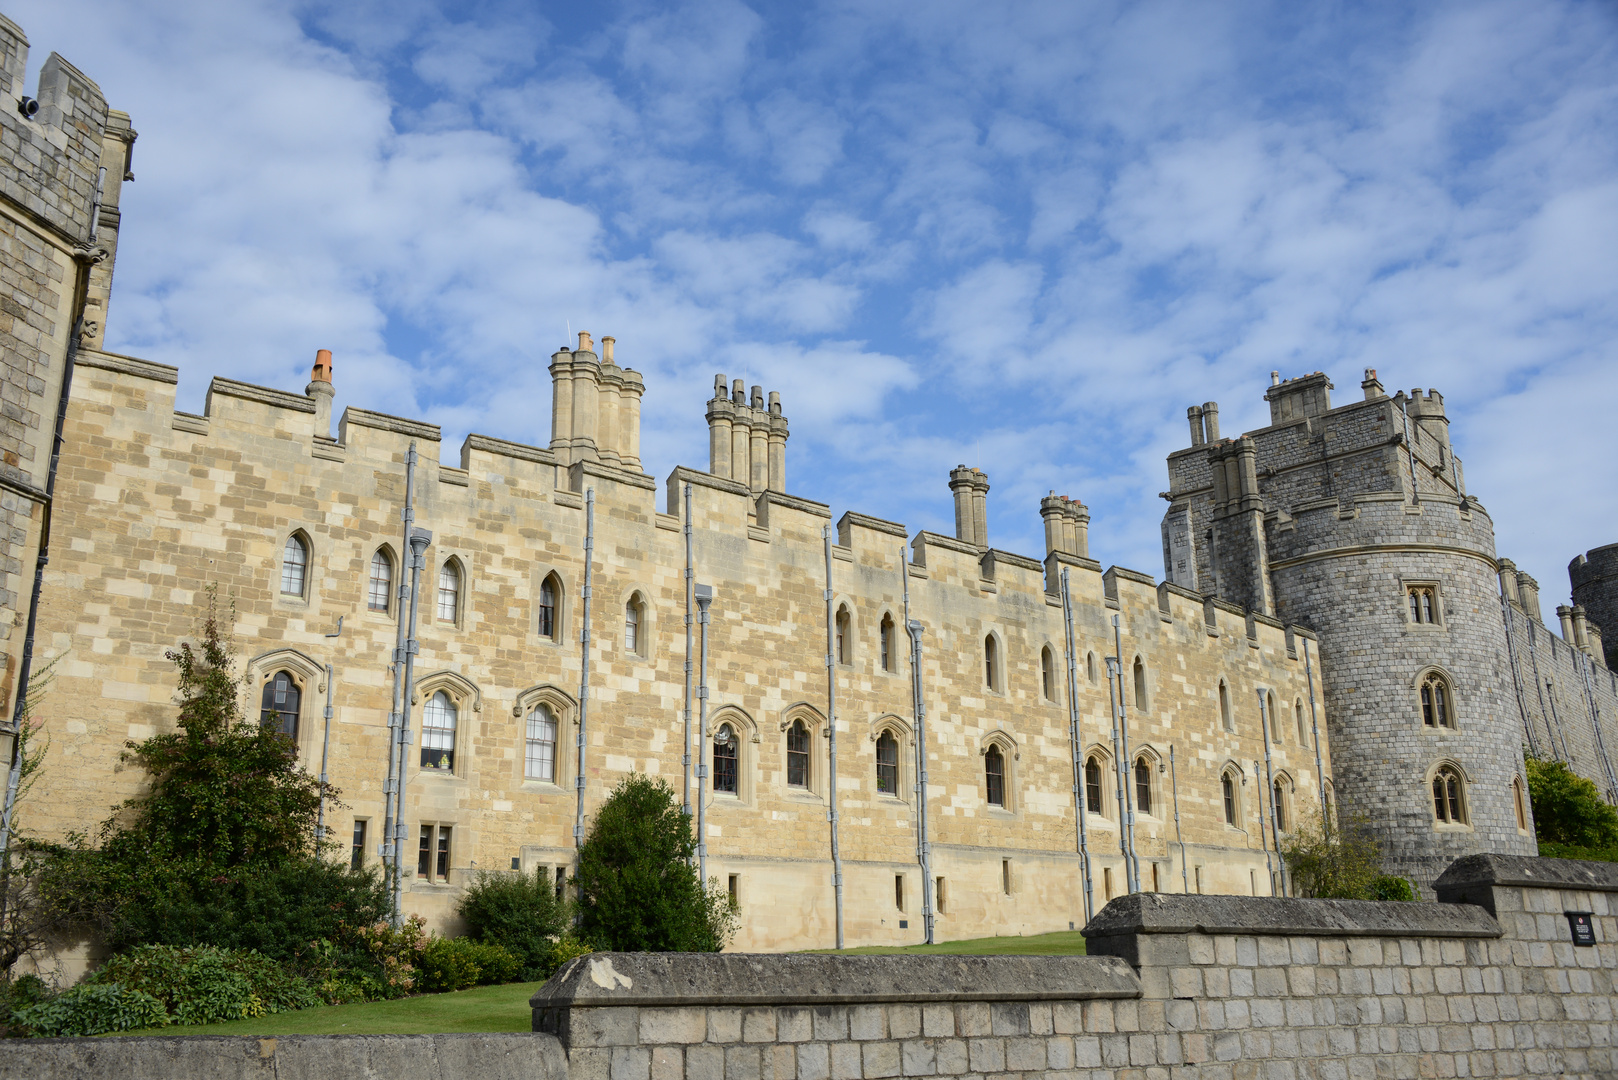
55	266
155	505
1594	577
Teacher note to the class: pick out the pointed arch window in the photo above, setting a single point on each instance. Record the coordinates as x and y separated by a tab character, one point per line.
281	703
994	776
1278	793
1449	796
1423	604
634	626
844	629
991	663
1275	723
798	755
1303	729
1437	703
438	733
449	592
887	763
379	590
1225	717
294	566
890	659
1093	793
550	595
539	759
1047	673
1140	685
725	771
1143	785
1228	789
1090	670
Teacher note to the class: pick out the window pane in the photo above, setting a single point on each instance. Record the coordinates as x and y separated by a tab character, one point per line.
1415	608
989	662
1439	806
294	563
1229	787
1452	785
887	764
547	609
443	852
631	627
357	857
724	761
1426	606
1143	786
1440	709
1092	786
279	706
994	776
424	855
1427	703
1280	807
798	755
540	759
380	591
1140	686
449	592
438	733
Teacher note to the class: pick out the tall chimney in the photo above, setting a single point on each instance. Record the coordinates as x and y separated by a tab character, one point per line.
980	506
758	448
586	401
1210	419
562	405
778	445
719	430
321	390
1194	415
961	484
741	430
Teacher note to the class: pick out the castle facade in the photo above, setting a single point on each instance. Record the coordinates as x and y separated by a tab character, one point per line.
876	729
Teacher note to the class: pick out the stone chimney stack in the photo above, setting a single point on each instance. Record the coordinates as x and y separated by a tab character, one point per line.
1078	519
1373	388
1067	525
980	507
1569	634
747	437
1581	630
1194	415
1508	581
1210	420
321	390
595	406
961	483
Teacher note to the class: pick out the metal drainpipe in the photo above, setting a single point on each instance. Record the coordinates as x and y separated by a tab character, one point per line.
685	755
1269	782
391	846
419	539
1269	867
584	669
1516	678
325	752
831	734
1314	728
1174	782
704	596
1127	765
1583	663
1415	496
924	852
1539	689
1076	746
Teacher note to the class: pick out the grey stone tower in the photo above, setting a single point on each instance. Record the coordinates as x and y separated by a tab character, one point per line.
1354	522
1595	589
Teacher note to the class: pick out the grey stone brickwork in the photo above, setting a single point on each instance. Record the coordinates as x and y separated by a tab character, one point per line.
1594	576
1327	518
1204	987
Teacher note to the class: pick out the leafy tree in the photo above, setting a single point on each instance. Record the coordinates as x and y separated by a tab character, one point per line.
1331	862
521	912
1571	820
639	889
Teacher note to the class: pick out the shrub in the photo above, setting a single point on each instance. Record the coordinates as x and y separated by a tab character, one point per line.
1334	863
640	891
91	1009
520	912
394	955
204	984
1388	887
1568	810
17	994
459	963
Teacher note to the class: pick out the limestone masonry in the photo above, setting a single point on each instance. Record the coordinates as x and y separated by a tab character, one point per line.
1335	625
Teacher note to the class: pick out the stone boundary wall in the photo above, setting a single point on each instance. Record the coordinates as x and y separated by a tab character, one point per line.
1213	987
288	1057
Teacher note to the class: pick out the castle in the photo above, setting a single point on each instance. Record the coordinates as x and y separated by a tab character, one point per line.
880	733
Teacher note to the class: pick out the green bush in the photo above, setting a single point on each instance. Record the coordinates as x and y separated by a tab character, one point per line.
639	889
1568	810
202	985
520	912
16	994
460	963
91	1009
1388	887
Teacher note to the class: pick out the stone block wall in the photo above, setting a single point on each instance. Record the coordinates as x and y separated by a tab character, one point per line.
1487	983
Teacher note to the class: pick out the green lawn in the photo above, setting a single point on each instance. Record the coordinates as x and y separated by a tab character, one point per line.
484	1008
1062	943
505	1008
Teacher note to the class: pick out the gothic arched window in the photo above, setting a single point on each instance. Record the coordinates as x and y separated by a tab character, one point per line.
280	704
449	592
539	758
379	590
1449	796
1094	796
1143	785
798	755
1228	787
1047	673
1140	685
438	733
1437	703
550	595
725	773
844	628
890	658
991	663
1225	717
887	764
295	566
994	776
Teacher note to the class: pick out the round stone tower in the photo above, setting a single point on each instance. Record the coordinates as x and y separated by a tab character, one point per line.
1369	539
1595	588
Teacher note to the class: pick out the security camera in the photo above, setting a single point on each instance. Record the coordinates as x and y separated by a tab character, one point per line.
27	106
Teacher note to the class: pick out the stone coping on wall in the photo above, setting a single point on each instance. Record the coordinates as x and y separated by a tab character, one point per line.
513	1056
613	980
1160	913
1473	878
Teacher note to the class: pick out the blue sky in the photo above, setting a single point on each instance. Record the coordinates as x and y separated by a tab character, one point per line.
1021	236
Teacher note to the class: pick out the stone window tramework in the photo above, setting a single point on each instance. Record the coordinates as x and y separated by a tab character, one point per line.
379	588
1449	796
1437	701
295	566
